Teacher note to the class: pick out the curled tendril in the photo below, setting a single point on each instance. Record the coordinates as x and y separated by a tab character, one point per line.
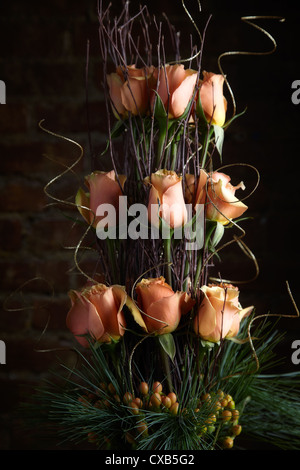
66	202
267	315
249	254
20	290
249	20
246	165
235	239
194	24
250	338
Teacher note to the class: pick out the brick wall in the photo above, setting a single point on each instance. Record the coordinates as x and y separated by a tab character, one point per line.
43	63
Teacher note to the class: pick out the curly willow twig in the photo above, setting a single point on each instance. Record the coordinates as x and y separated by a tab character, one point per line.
71	204
247	19
267	315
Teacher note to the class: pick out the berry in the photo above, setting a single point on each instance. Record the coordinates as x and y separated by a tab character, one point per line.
157	387
226	415
156	400
144	388
227	442
134	408
166	401
173	397
174	408
127	398
236	429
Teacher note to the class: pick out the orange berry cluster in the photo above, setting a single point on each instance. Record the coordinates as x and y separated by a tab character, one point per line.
218	408
151	398
222	414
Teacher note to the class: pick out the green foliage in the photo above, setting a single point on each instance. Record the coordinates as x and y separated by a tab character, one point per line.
88	403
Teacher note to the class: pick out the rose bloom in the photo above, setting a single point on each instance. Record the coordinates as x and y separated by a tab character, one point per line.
97	311
220	313
213	102
104	188
176	86
129	90
161	307
218	194
166	199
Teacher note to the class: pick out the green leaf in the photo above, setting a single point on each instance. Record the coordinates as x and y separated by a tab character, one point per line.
117	130
168	344
227	124
218	234
219	138
159	110
186	111
210	227
199	110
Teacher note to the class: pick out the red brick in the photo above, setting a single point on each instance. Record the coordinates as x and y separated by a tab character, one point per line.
51	312
52	233
10	234
13	317
45	157
21	196
28	274
13	118
74	117
26	354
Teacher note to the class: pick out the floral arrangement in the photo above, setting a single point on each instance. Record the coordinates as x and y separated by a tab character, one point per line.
168	358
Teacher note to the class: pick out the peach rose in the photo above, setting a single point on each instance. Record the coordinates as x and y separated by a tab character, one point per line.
129	89
176	86
97	310
104	188
213	103
166	199
216	191
161	307
220	313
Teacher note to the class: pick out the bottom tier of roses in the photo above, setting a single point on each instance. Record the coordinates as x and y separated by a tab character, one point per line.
99	311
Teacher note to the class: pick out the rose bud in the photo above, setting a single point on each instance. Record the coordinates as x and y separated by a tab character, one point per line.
166	199
213	103
97	311
218	194
129	89
104	188
115	84
220	313
161	307
176	86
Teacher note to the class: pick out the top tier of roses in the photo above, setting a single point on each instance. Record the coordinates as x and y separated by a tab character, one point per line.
133	90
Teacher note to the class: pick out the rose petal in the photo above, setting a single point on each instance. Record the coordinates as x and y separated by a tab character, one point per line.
83	319
182	95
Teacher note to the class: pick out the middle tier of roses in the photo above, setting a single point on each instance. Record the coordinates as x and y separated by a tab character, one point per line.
99	311
134	90
167	191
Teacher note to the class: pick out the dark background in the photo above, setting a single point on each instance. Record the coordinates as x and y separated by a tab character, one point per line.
43	61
